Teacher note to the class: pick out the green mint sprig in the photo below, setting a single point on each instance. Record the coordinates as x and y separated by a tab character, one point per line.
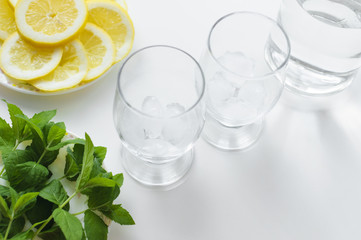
31	195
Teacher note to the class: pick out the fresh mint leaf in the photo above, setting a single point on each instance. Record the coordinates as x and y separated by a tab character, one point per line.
97	170
73	162
4	222
55	134
118	215
43	156
21	170
99	154
69	224
14	196
53	233
94	226
39	119
4	191
18	125
87	164
35	129
6	133
78	153
42	118
54	192
19	156
26	172
41	211
99	182
26	176
17	226
4	209
33	175
71	170
102	197
119	179
5	149
24	203
23	236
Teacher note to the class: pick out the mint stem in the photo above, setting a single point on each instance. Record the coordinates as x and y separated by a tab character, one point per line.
41	157
43	154
8	229
78	213
16	145
2	171
61	178
68	200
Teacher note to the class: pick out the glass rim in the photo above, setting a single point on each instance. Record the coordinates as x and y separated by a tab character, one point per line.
258	77
190	108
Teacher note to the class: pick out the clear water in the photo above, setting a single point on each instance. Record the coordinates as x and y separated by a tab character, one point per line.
325	38
339	13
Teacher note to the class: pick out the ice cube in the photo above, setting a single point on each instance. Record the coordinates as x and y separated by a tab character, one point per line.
238	63
174	109
157	148
253	94
219	90
235	103
175	128
131	127
152	127
151	106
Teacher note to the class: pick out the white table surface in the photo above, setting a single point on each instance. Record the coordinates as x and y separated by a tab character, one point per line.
301	181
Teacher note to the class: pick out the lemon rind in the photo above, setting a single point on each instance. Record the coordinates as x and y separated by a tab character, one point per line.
122	52
109	57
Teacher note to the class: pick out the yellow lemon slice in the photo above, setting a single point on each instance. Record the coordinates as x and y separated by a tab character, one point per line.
7	20
13	2
50	22
116	22
123	4
23	61
99	48
71	70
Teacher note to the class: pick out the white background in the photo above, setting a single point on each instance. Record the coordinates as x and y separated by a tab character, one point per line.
301	181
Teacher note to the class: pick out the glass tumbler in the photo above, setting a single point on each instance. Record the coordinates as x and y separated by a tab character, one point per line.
159	113
325	36
244	64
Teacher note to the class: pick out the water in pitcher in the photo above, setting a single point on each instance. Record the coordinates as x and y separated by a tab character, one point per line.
325	38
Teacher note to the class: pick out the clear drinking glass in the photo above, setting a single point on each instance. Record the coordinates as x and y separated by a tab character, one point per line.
159	113
325	36
244	64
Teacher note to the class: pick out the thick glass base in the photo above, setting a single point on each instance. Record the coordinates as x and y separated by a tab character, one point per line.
163	176
305	79
231	138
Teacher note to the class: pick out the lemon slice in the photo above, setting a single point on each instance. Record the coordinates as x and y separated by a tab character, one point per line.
23	61
116	22
13	2
123	4
50	22
99	48
71	70
7	20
